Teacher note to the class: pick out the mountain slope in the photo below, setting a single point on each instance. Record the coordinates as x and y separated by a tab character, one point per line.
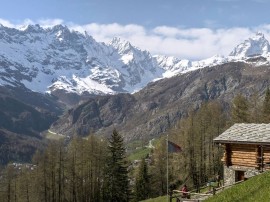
18	148
23	116
151	111
18	117
25	112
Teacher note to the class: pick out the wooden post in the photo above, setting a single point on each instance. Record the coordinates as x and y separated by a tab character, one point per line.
228	155
262	157
214	190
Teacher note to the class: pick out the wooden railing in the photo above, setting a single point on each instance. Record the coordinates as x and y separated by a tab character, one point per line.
223	187
198	196
178	195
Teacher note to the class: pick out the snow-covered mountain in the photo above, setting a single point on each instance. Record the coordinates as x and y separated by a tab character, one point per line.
256	48
46	60
251	47
58	59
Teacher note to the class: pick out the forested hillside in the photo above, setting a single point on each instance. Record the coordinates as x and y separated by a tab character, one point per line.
81	170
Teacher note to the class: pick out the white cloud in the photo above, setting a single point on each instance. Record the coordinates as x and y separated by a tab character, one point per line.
6	23
188	43
49	22
105	33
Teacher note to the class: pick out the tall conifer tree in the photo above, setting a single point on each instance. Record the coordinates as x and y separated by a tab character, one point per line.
240	107
142	185
116	186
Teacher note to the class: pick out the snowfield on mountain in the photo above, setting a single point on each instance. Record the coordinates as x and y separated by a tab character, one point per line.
52	59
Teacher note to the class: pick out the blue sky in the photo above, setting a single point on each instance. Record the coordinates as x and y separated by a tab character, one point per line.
192	29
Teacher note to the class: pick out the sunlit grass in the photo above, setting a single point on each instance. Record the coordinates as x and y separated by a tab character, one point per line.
53	136
159	199
138	150
139	154
254	189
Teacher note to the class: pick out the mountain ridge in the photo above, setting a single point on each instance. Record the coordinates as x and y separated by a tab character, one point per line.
70	64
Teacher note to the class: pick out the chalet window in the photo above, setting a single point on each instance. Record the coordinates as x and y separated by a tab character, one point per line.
239	175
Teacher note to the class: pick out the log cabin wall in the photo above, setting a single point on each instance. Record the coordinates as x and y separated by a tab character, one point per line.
239	158
248	155
244	155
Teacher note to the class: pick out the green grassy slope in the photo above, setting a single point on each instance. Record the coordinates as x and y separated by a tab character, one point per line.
254	189
159	199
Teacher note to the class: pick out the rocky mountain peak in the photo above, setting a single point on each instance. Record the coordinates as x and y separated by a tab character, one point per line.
121	45
130	53
254	46
115	41
259	35
32	28
60	28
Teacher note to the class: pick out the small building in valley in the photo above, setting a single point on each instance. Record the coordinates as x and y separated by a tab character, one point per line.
246	151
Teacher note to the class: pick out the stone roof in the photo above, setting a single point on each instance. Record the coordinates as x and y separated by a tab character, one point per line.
246	133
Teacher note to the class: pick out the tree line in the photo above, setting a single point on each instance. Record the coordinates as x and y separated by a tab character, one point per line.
97	169
83	170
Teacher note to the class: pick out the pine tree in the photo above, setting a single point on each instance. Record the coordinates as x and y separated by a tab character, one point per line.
266	107
159	169
116	185
255	108
240	109
142	184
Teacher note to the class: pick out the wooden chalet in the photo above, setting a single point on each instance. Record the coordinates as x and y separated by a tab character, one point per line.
246	151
